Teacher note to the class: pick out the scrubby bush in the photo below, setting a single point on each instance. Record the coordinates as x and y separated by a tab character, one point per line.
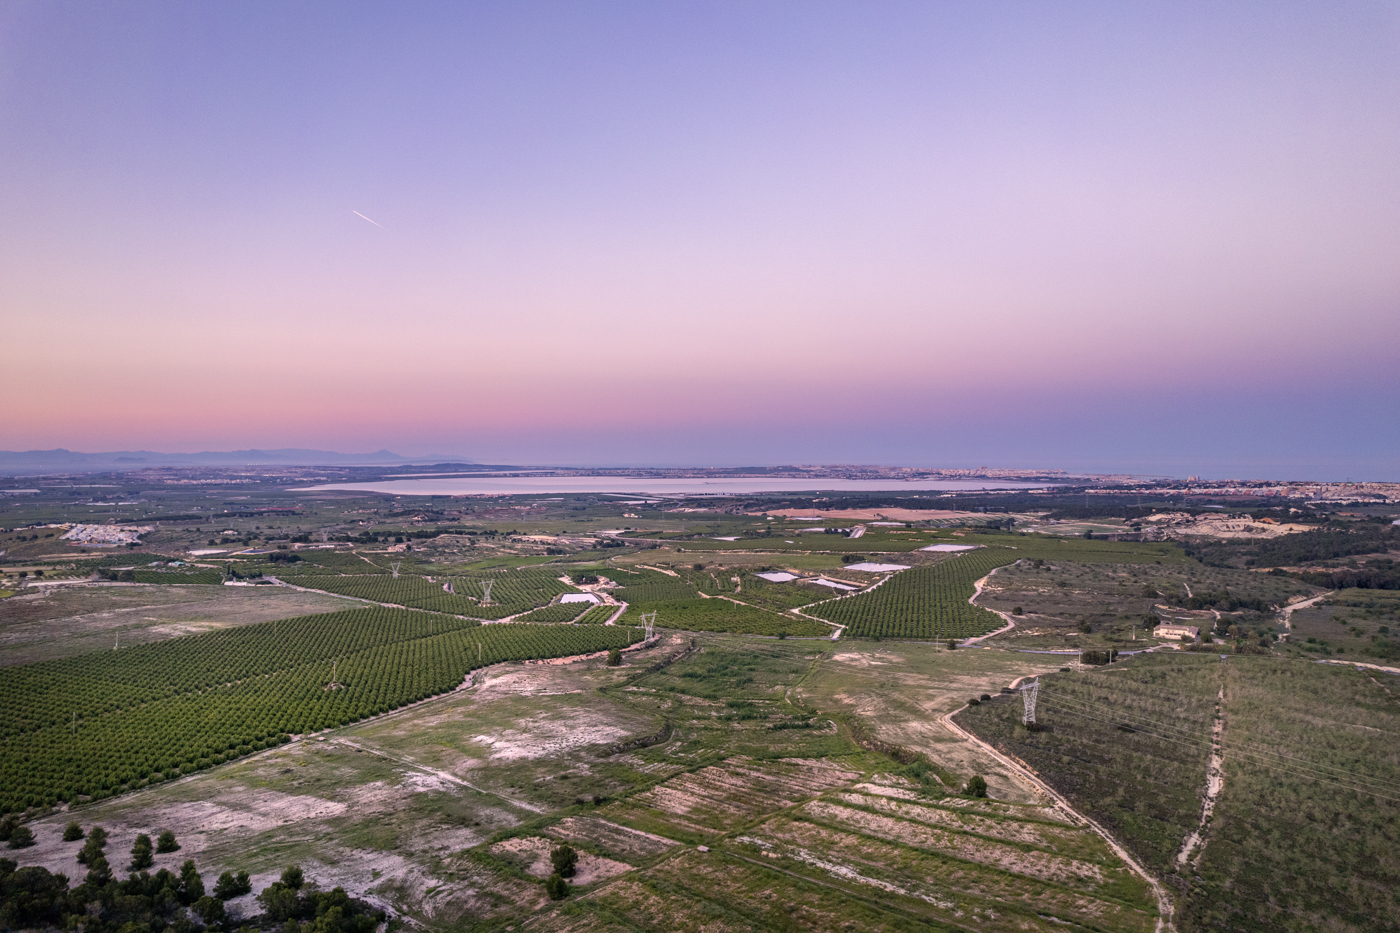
565	861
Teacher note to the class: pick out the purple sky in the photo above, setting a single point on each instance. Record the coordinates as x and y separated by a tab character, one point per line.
1162	238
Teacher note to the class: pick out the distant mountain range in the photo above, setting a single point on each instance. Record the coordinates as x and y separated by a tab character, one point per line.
30	461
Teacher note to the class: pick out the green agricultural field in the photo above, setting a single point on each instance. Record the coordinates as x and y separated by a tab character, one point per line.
722	615
925	602
556	614
94	725
512	592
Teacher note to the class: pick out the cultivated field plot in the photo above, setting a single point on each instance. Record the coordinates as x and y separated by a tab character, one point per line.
512	592
1301	836
679	605
91	726
722	615
445	811
64	621
1010	872
925	602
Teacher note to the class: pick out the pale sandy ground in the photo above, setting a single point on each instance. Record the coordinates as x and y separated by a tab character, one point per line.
1181	524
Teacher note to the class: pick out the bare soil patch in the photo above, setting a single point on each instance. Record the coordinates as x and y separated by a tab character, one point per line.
631	843
531	853
72	620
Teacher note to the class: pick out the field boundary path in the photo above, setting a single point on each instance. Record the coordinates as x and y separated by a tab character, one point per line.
972	601
1023	772
1287	611
1215	783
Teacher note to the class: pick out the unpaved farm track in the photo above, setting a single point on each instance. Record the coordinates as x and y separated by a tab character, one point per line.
1025	775
972	600
1215	782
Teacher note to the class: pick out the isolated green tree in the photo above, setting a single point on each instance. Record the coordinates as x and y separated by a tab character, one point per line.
21	838
72	832
977	786
8	826
565	860
293	878
614	658
141	856
556	887
165	842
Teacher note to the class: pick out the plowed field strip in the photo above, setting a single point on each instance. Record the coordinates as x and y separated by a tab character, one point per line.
1061	870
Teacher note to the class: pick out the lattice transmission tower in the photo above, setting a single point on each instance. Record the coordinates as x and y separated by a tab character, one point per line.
1029	693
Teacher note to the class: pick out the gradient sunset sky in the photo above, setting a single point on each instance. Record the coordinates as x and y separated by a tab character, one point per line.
1159	238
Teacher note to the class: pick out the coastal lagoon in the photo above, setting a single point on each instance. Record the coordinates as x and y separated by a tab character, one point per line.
497	485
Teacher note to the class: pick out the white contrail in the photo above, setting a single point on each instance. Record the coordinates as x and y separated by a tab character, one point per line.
358	214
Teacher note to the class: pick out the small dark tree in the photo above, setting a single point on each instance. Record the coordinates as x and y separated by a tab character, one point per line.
165	842
279	901
141	856
72	832
565	860
1017	611
976	786
230	885
99	872
21	838
210	910
614	658
7	827
293	877
191	885
556	887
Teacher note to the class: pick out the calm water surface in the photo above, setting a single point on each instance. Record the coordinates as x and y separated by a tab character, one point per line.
640	485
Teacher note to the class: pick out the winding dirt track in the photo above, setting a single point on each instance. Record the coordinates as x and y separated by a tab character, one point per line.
1026	776
972	600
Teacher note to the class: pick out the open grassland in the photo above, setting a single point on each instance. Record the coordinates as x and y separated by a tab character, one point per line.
94	725
1303	833
1073	604
1306	834
1358	625
1145	785
64	621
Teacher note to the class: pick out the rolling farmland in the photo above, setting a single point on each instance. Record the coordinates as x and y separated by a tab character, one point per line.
91	726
